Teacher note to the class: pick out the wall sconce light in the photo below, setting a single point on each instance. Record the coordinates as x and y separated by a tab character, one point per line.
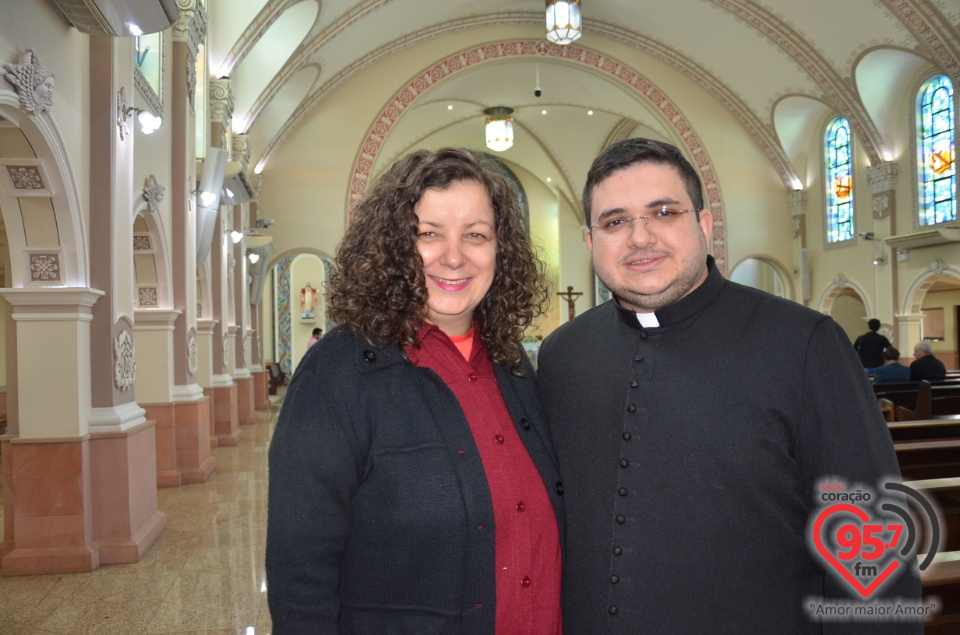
235	236
253	257
149	122
879	261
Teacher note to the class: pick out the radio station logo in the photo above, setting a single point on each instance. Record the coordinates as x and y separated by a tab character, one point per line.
867	542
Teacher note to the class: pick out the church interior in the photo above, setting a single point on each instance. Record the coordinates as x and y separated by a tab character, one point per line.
175	176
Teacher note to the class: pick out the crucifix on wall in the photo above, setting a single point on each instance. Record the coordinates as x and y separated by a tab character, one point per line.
571	297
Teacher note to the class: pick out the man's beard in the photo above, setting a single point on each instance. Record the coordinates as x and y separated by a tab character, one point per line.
687	281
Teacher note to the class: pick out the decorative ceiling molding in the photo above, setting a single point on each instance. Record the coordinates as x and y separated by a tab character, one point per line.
621	131
938	35
269	14
302	57
763	135
840	91
498	51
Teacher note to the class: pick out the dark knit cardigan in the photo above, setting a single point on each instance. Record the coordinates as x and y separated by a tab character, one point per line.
380	518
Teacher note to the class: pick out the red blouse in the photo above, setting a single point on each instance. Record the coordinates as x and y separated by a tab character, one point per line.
527	540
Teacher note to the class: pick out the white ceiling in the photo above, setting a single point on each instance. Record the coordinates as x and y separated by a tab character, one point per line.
778	66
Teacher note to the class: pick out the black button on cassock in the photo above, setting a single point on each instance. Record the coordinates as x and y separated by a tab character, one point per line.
612	610
525	424
634	383
643	335
369	356
621	519
631	408
614	579
624	463
638	358
622	491
617	551
559	488
627	436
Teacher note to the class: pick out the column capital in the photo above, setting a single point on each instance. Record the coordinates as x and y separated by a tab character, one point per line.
52	303
221	103
191	28
883	177
798	202
155	319
241	149
206	326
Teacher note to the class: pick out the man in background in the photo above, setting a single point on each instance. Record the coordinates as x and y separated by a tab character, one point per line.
926	366
317	334
870	346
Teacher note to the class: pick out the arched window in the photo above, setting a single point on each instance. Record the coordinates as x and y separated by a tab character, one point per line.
936	152
839	162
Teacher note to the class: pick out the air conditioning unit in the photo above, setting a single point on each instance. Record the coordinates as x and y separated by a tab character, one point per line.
119	18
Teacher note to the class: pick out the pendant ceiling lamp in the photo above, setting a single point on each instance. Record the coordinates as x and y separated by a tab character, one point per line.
499	128
563	21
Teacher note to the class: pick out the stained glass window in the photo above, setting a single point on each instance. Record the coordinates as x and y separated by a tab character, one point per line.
936	152
839	162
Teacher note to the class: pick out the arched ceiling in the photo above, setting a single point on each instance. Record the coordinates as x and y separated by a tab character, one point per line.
776	66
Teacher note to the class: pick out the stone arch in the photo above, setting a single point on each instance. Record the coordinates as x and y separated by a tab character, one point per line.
841	285
777	266
419	85
49	201
286	300
853	323
913	298
152	267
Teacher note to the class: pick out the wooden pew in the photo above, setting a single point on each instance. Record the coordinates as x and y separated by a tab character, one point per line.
936	458
931	450
942	579
904	394
932	400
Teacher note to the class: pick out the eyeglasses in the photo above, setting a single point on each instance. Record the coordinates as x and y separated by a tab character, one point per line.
620	225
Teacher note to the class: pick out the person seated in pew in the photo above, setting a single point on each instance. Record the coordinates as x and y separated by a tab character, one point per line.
926	366
892	370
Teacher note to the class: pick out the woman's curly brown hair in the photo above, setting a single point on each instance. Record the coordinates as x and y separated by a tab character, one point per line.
378	287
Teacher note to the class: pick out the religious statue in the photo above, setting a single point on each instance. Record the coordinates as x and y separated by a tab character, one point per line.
308	302
34	83
571	297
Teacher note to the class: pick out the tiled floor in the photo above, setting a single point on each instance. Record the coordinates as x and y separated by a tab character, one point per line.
204	575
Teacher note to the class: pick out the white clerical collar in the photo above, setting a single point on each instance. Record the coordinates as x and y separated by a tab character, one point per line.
648	320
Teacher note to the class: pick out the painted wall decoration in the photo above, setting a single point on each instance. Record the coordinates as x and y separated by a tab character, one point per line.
283	329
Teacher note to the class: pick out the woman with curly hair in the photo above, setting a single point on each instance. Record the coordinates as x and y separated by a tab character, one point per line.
413	482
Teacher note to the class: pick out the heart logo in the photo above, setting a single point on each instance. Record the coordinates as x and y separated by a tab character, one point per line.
852	538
